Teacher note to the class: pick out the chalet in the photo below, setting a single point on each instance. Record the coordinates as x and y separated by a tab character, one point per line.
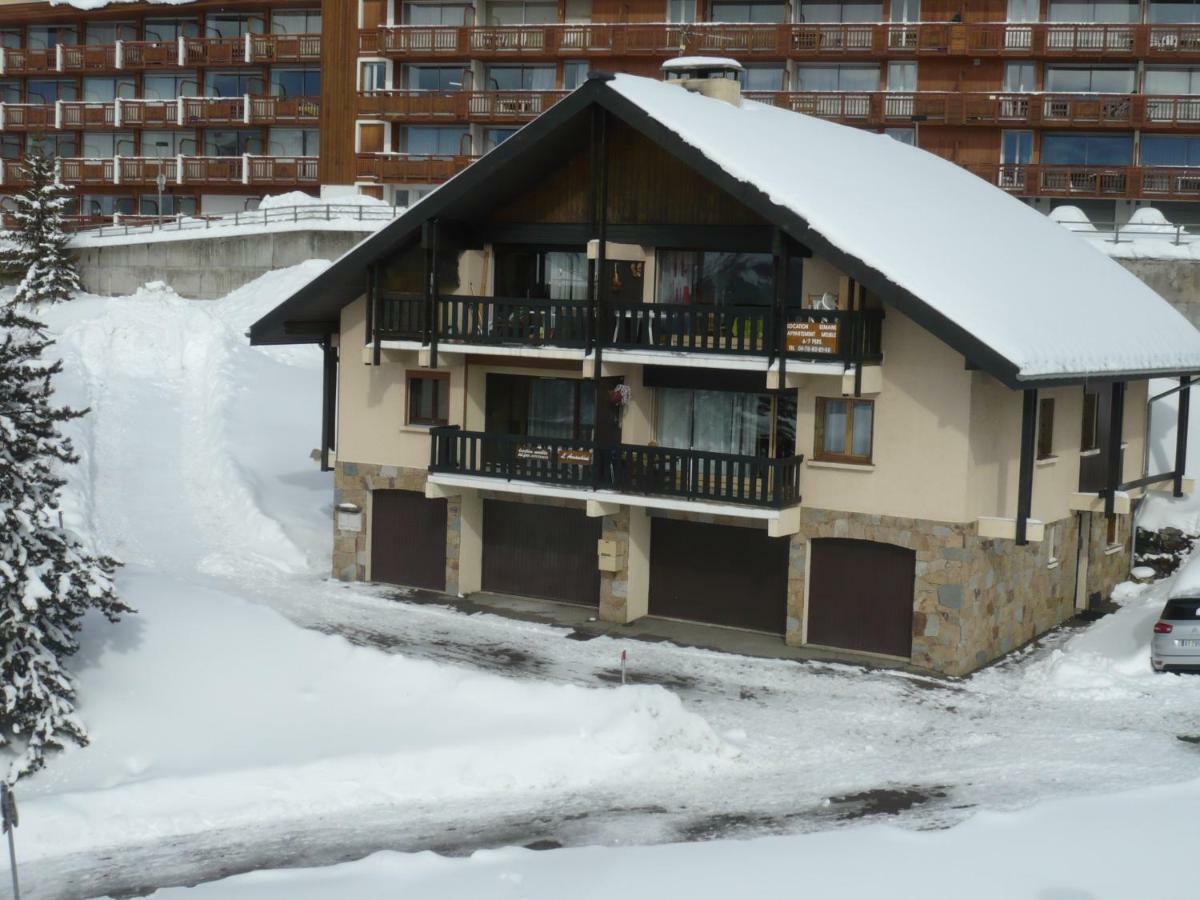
671	352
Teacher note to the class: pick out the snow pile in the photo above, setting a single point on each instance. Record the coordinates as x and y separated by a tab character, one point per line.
300	198
1073	217
1047	303
1147	235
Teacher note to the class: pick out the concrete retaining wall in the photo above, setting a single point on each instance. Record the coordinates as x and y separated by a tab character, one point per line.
1178	280
205	268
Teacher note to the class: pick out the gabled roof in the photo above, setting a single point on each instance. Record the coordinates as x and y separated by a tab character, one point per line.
1006	286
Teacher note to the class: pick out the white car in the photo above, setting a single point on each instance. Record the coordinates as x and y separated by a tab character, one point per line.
1176	643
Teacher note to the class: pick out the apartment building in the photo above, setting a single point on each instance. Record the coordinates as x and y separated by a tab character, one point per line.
648	358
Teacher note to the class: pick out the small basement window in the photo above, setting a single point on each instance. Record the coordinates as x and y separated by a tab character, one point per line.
1045	428
1113	535
844	430
1052	545
1090	438
429	398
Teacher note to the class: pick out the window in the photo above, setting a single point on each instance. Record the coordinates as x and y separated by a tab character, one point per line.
494	137
849	11
294	142
372	76
229	25
434	78
172	205
1078	80
296	21
540	407
706	276
232	83
1093	11
101	33
1174	12
232	142
429	398
1170	150
434	140
1113	533
748	11
1172	82
44	37
43	144
437	14
742	424
171	29
837	78
1016	147
1051	545
1089	439
531	272
10	38
107	205
681	10
844	430
1024	10
1045	428
1087	150
763	77
47	91
902	76
107	143
105	90
520	78
903	135
169	86
10	90
575	73
168	143
305	82
522	12
1020	77
905	11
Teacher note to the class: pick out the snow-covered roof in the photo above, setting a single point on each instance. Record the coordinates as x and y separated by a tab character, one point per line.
1016	281
701	62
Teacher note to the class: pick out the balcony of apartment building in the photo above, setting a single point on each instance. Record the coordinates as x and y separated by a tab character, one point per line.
162	43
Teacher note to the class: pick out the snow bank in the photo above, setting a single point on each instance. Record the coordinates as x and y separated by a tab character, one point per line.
1072	216
299	198
1095	848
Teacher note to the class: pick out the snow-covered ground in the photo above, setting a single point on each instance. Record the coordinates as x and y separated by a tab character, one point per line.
255	715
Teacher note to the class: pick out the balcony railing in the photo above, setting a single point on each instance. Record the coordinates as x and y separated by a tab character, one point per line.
183	111
248	49
693	475
1122	182
474	106
179	170
409	168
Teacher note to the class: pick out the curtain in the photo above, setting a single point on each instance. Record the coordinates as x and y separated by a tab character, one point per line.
714	421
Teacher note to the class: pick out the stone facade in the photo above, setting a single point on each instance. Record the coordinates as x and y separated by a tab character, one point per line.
614	586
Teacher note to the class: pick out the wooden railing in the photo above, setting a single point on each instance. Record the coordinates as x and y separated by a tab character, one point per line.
475	106
150	113
284	110
694	475
26	117
411	168
498	320
213	110
1124	182
75	114
285	48
690	328
150	54
145	170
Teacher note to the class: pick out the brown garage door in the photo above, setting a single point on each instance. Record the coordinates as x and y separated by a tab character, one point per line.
860	596
718	573
408	539
540	551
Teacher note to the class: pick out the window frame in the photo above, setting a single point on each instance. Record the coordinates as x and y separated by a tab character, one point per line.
820	454
1092	444
441	382
1045	429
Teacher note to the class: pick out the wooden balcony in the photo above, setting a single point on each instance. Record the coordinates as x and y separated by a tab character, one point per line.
408	168
691	475
26	117
254	49
150	113
457	106
285	48
197	171
1108	182
1055	40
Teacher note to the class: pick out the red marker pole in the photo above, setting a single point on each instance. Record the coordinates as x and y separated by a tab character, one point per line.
624	655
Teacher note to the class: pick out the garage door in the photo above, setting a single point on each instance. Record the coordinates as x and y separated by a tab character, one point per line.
718	573
540	551
408	539
860	596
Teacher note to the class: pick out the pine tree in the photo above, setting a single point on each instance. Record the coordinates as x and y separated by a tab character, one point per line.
40	255
48	579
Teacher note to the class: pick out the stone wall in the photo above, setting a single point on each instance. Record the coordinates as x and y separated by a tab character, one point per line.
1177	280
205	268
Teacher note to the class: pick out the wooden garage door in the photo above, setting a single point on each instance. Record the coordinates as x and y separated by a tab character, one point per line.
540	551
408	539
860	596
718	573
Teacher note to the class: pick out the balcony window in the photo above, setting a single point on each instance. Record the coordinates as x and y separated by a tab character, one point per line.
44	37
296	21
541	274
170	86
1087	149
64	145
1170	150
232	83
715	278
103	144
494	137
10	90
905	11
1093	12
49	90
763	77
575	73
1173	82
232	25
849	11
516	12
434	14
1016	147
433	140
902	76
12	146
1175	12
429	398
520	78
681	11
302	82
171	29
232	142
105	90
1020	77
526	405
718	421
372	76
903	135
172	205
845	430
99	34
1083	80
435	78
728	11
837	78
107	205
10	38
1024	10
168	143
294	142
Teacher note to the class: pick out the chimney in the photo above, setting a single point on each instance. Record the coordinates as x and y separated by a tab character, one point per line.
713	76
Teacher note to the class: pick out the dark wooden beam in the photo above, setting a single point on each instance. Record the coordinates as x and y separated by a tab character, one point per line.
1029	406
317	328
373	300
599	176
1181	432
782	252
328	401
430	236
1116	426
860	337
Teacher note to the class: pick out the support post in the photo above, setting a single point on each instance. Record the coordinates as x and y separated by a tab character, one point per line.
1116	427
430	238
1181	432
599	175
1025	477
860	338
373	300
782	251
328	399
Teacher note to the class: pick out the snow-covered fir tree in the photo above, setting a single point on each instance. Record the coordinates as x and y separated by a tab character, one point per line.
48	579
40	254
